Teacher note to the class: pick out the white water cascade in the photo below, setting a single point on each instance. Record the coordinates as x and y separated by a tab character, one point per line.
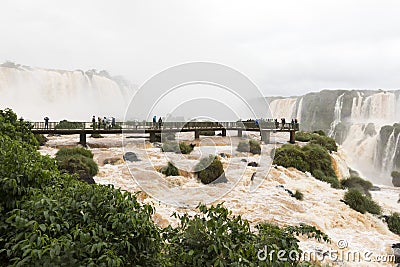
338	115
283	108
34	93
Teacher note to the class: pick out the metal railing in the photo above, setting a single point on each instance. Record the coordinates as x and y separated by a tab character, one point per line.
131	125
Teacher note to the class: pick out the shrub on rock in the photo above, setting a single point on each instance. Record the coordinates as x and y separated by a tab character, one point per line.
360	202
210	169
77	161
396	178
170	170
251	146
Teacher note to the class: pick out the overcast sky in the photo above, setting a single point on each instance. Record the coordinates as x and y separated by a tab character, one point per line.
285	47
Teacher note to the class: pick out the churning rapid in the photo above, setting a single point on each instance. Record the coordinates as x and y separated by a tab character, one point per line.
364	122
59	94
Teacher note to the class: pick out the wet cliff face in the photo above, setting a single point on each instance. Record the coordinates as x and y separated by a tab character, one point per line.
362	121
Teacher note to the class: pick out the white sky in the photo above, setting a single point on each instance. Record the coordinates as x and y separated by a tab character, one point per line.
285	47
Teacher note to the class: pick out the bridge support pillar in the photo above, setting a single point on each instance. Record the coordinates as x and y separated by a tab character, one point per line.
292	139
240	133
82	139
265	136
152	137
223	132
196	134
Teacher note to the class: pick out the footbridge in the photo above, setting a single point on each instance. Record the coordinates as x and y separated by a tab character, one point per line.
84	128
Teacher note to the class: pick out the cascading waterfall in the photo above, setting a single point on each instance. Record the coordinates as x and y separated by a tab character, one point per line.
283	108
338	115
361	115
388	152
75	95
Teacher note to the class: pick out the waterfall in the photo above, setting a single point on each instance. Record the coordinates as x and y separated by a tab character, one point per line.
299	109
283	108
388	151
34	93
337	114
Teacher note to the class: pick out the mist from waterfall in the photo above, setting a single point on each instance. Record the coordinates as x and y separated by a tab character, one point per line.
34	93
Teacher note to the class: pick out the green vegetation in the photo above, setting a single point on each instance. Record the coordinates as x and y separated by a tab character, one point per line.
393	222
209	169
216	238
395	178
64	124
164	136
207	133
170	170
96	135
309	158
357	183
79	161
298	195
251	146
182	147
360	202
41	139
319	138
48	218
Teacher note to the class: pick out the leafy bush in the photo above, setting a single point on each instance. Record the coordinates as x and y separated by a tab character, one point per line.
182	147
357	183
303	136
327	142
393	222
395	178
291	156
217	238
79	161
64	124
317	137
209	169
251	146
185	148
170	170
360	202
16	129
309	158
74	151
80	224
320	132
41	139
298	195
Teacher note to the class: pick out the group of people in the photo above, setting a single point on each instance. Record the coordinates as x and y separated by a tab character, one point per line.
293	124
157	124
105	123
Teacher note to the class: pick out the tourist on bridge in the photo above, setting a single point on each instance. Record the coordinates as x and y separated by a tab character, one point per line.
104	123
292	123
154	121
99	122
283	120
112	122
94	123
46	122
159	123
276	124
